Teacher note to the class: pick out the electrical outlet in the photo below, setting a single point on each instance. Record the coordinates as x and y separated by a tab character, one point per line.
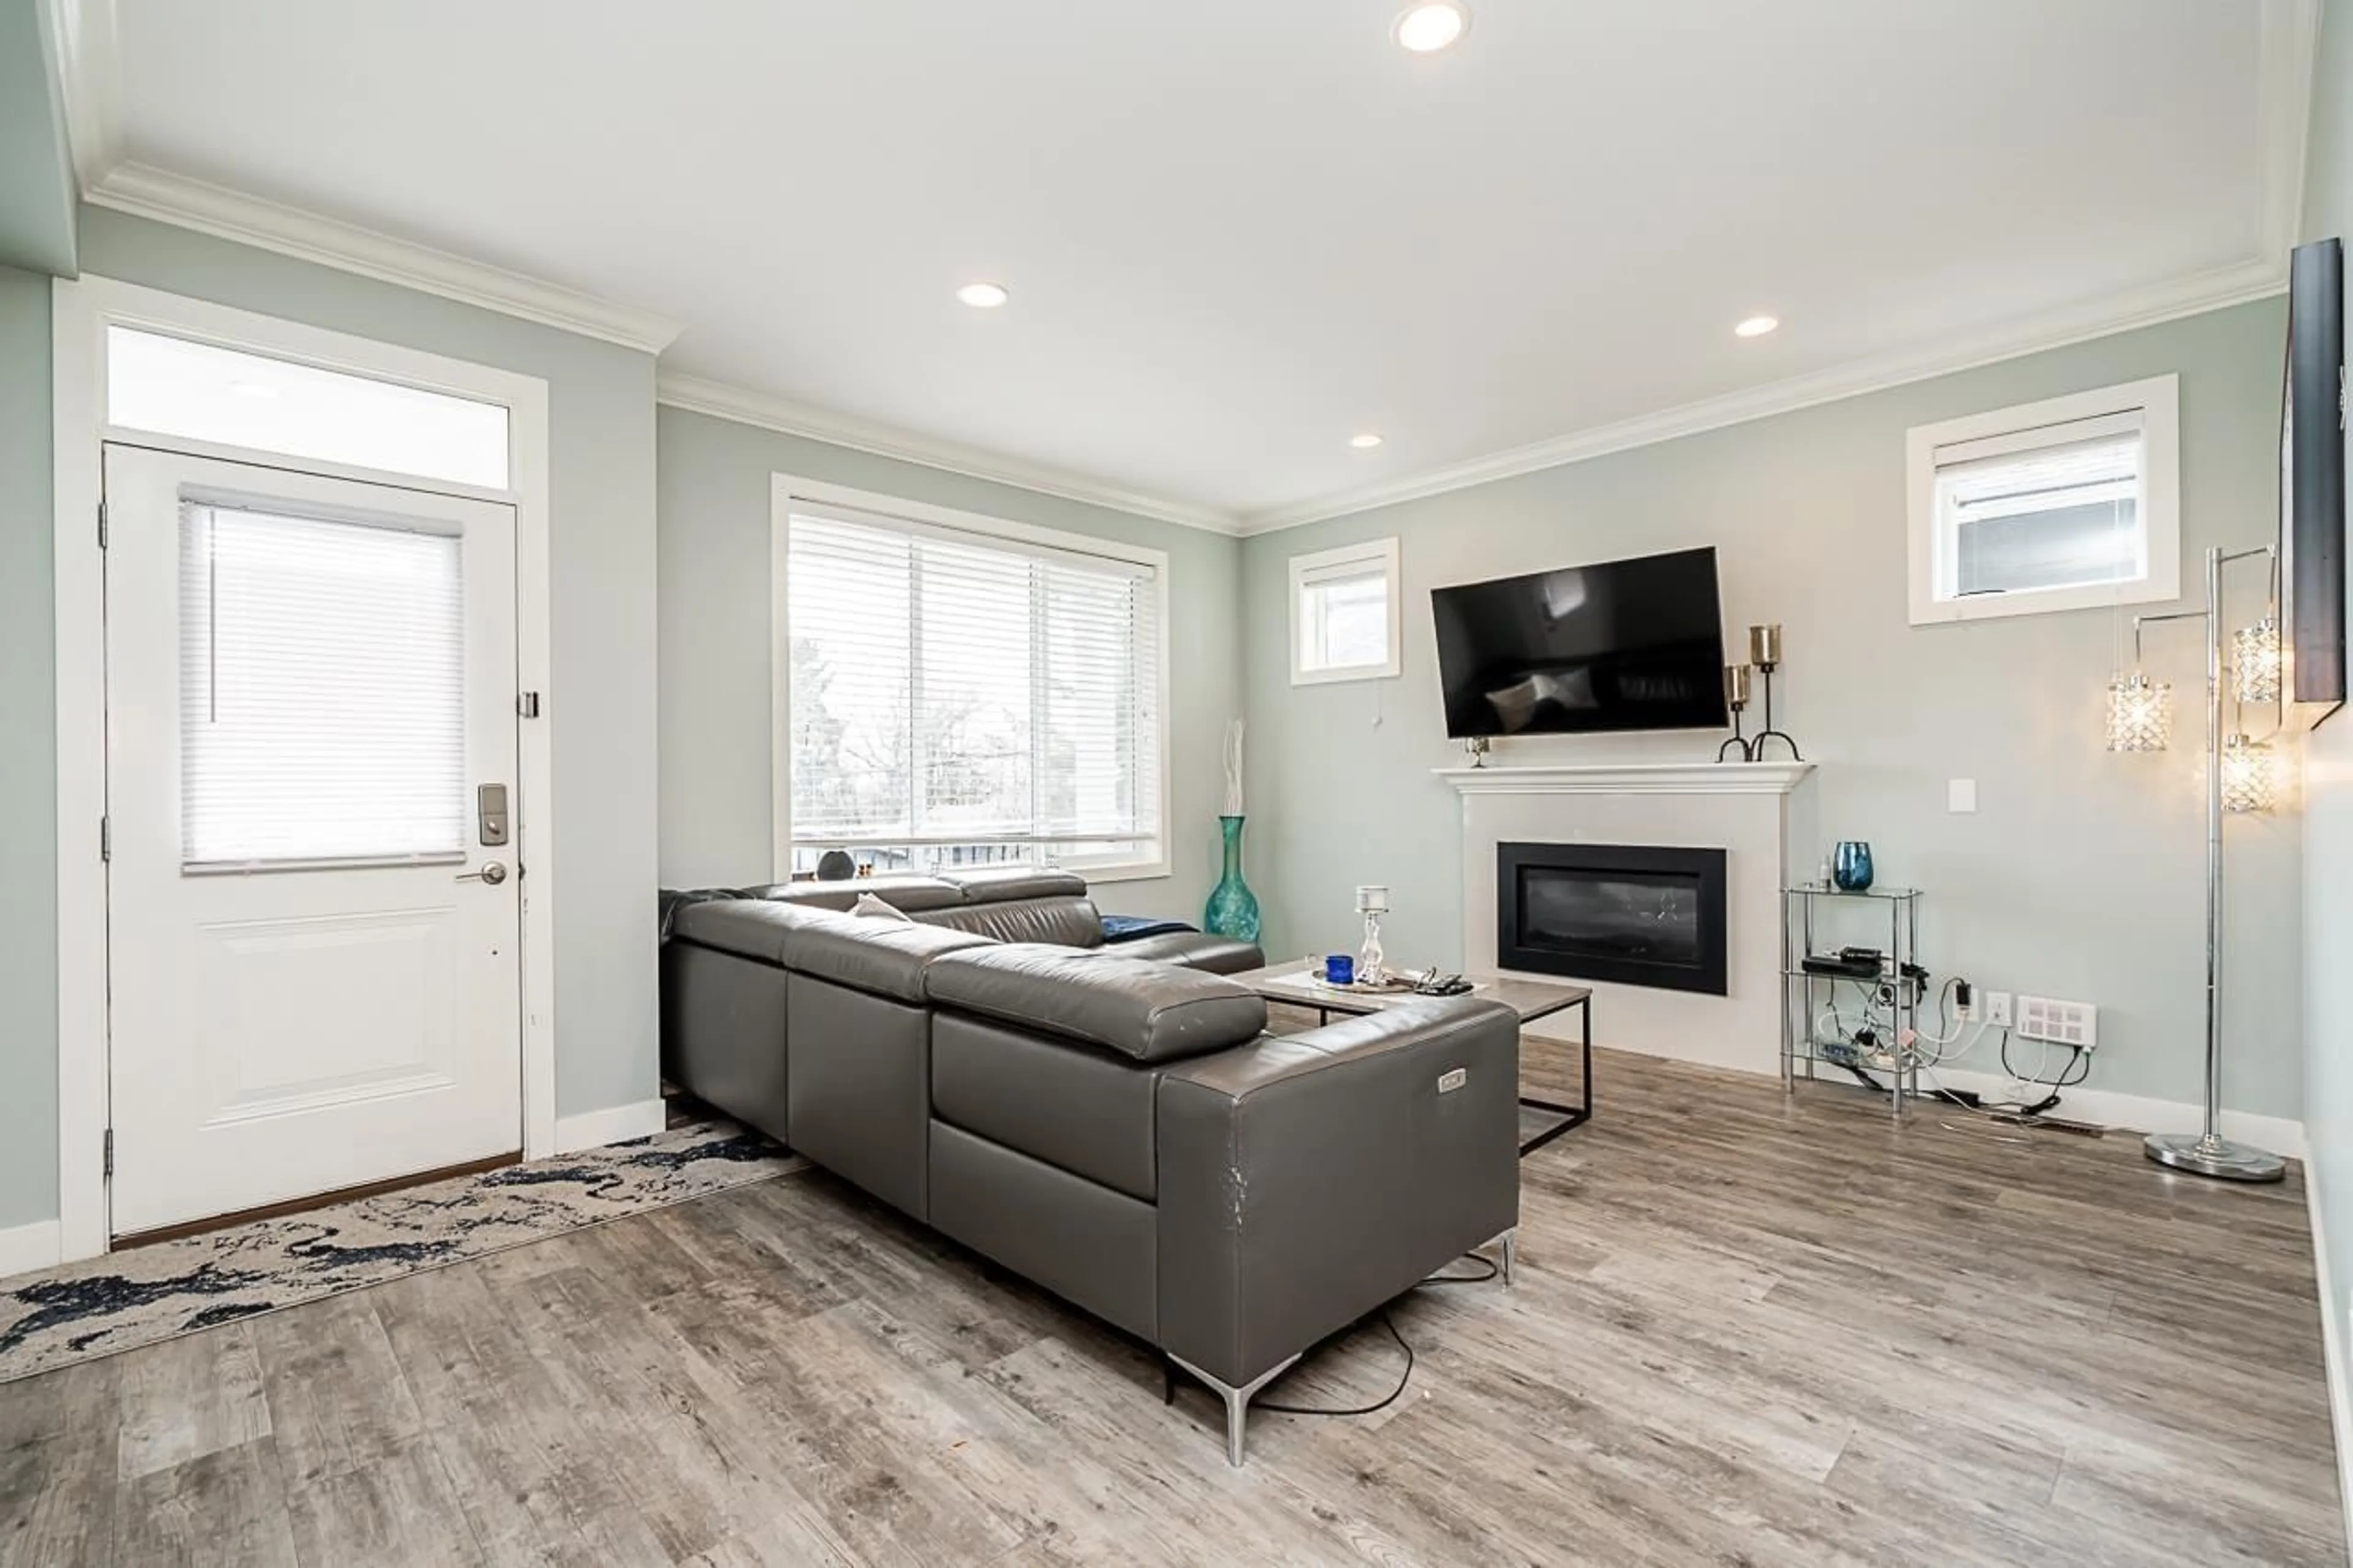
2073	1024
1997	1009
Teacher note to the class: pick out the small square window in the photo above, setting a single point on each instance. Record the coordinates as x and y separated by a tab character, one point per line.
1344	614
2069	504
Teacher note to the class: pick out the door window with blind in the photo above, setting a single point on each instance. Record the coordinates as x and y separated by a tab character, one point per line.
322	690
959	698
2063	505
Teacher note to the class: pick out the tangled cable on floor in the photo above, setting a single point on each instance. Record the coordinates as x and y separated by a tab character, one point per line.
1389	1323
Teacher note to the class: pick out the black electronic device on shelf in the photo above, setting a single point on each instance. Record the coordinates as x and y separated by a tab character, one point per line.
1846	964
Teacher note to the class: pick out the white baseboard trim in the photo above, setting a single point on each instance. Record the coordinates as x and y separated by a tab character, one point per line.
2279	1135
2332	1348
595	1128
28	1247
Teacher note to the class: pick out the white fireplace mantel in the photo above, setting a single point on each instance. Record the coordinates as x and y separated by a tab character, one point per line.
1760	815
1632	778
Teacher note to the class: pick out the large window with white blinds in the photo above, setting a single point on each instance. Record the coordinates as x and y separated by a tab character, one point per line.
957	697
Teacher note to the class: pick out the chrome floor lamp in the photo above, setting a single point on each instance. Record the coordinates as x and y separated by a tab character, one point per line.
2240	777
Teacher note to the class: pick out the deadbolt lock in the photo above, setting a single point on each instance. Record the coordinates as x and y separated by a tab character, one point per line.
490	814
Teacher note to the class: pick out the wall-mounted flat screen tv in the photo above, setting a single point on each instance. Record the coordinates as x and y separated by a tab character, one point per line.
1627	645
2312	483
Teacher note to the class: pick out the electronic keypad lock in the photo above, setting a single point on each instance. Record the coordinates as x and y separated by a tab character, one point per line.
490	810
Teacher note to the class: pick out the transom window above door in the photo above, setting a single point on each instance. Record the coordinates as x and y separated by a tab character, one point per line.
232	397
959	697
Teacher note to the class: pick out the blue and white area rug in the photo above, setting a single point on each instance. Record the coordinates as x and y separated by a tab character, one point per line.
59	1316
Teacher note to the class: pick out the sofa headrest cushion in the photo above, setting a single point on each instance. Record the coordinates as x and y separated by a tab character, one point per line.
990	883
1060	921
882	958
1152	1012
912	894
750	927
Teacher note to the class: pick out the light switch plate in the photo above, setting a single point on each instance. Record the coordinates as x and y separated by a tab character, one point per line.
1961	794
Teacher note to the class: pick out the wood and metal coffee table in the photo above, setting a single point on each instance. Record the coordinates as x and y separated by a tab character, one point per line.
1291	985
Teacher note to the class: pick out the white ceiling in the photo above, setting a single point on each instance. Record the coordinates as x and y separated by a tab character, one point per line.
1237	232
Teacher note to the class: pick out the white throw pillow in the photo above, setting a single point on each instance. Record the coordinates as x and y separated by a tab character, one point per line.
875	909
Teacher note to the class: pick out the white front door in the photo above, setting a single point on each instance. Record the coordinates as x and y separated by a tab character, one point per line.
312	894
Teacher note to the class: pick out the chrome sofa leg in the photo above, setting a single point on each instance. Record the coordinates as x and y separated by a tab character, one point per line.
1237	1399
1511	1240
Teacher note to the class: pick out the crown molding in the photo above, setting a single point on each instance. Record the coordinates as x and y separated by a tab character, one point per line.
83	33
742	407
150	193
88	76
2234	285
2288	50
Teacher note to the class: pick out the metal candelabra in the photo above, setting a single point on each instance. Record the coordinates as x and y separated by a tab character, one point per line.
1764	653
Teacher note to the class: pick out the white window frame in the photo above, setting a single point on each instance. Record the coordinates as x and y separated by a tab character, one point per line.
784	489
2157	402
1348	560
80	312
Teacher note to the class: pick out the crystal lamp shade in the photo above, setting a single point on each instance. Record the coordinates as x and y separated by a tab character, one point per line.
2255	661
2250	779
2140	713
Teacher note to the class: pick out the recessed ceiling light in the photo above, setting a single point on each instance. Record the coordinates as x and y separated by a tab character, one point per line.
1427	27
1365	442
983	296
1756	326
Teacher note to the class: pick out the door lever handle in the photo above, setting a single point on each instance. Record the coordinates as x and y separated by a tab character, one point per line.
493	872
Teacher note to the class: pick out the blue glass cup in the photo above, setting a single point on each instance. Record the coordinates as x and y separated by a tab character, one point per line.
1340	969
1851	866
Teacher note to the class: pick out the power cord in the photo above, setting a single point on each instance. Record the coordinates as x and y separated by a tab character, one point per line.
1382	1404
1389	1323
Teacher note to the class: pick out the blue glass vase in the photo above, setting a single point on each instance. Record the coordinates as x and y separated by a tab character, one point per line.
1851	866
1233	908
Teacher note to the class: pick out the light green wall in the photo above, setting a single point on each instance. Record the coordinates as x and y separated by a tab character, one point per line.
601	461
2081	874
716	654
29	882
2329	760
37	182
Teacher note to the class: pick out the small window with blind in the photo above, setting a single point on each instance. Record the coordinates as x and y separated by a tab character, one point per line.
1344	614
2070	504
964	698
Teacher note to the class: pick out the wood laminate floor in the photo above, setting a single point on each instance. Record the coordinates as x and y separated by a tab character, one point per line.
1748	1330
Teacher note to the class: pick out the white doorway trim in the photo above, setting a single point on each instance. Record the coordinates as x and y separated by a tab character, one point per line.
81	312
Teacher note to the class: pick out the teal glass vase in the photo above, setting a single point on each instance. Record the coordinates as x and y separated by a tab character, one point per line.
1233	908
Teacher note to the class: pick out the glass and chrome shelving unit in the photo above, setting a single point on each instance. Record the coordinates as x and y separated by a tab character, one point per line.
1816	1008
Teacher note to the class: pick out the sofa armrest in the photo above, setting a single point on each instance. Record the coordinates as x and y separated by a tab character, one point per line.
1306	1179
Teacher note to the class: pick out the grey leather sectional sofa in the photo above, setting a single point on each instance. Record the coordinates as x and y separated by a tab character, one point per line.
1121	1129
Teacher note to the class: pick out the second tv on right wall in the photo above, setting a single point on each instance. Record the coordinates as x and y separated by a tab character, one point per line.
2312	483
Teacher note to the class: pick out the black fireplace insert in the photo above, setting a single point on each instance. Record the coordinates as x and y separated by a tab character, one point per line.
1635	913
